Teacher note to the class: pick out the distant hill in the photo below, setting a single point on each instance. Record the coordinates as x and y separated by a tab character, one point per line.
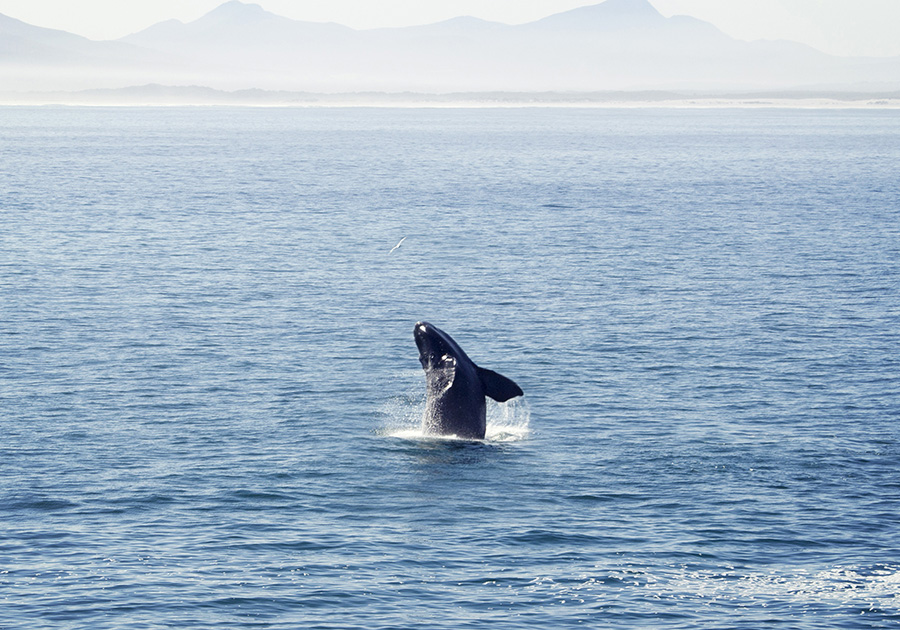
614	45
32	45
32	57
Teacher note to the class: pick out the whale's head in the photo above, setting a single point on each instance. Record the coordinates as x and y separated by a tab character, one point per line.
437	350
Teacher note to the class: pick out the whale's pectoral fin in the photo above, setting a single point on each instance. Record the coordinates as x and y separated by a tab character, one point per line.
498	386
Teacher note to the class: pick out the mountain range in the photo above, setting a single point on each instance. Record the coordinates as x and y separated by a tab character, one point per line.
614	45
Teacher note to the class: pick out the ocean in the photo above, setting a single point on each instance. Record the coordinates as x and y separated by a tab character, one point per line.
210	396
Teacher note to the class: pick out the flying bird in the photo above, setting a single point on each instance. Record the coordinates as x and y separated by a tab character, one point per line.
397	245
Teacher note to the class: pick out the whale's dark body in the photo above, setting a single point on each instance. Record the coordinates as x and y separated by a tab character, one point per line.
455	386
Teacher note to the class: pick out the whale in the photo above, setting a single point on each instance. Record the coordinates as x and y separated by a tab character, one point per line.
455	388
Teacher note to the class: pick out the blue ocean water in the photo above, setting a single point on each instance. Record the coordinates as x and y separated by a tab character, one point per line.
210	394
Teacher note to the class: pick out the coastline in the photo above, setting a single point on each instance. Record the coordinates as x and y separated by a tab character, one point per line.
195	96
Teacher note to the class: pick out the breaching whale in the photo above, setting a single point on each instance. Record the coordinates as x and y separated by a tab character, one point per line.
455	386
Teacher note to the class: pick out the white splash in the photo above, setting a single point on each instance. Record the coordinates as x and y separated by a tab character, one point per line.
506	422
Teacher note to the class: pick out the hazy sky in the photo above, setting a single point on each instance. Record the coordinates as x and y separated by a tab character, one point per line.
842	27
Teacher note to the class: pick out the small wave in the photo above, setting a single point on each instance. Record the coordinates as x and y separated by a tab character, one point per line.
44	504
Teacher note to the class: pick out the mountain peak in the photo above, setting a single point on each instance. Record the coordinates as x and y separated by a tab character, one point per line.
629	6
612	13
233	6
235	9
